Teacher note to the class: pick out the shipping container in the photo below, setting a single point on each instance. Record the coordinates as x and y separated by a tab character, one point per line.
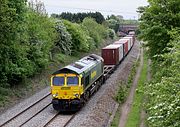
128	41
110	54
121	52
131	40
125	45
133	36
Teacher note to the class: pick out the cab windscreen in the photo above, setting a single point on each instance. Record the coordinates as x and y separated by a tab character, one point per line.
58	81
72	81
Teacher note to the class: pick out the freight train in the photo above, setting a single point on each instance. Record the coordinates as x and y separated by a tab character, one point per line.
73	85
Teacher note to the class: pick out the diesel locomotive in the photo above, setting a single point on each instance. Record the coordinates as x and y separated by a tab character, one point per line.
72	85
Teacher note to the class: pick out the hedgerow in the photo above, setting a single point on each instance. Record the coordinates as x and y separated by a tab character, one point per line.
164	90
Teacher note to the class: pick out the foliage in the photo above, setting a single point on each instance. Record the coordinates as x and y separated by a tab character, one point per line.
11	54
96	31
41	34
79	37
113	24
64	39
79	17
124	87
26	38
115	21
156	20
111	33
160	23
164	90
122	93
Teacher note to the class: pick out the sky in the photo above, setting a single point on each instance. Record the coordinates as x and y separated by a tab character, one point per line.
126	8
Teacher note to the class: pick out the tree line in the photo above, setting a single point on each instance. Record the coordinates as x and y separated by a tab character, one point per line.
79	17
29	38
160	29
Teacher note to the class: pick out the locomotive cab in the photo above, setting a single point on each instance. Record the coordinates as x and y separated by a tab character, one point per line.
72	85
66	86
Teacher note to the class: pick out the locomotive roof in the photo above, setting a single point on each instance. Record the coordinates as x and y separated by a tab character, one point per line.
81	65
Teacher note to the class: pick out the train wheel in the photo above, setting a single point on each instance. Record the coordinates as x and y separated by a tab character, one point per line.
98	85
56	107
86	95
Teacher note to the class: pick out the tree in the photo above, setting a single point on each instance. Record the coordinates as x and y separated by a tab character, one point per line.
41	35
79	37
79	17
64	39
11	37
160	28
156	20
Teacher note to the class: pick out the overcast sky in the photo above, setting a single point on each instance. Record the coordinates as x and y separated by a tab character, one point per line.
126	8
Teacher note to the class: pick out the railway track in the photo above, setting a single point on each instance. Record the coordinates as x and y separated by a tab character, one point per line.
59	120
54	118
50	120
69	120
25	110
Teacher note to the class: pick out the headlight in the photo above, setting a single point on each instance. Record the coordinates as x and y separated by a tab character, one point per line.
76	95
55	95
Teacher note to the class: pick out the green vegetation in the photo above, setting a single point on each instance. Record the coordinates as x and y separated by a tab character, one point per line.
115	21
125	87
31	42
160	28
79	17
123	93
134	115
96	31
115	122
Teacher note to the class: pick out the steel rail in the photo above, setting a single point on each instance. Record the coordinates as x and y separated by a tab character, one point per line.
18	114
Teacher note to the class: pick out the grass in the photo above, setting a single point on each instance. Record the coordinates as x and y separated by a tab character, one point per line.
115	122
135	113
123	93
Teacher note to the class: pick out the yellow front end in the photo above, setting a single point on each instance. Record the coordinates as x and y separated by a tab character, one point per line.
66	86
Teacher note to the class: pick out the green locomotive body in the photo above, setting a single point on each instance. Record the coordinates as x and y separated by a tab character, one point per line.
72	85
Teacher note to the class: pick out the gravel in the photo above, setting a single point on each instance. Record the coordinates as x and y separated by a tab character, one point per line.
23	105
95	113
98	110
41	118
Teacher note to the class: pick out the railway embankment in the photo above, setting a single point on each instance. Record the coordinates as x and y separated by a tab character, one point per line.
100	108
96	112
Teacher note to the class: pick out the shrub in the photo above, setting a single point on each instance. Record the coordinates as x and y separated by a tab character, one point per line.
64	39
122	93
111	33
79	37
96	31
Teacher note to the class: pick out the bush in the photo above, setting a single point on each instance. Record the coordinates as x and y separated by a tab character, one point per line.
41	35
79	37
122	93
111	33
96	31
164	90
64	39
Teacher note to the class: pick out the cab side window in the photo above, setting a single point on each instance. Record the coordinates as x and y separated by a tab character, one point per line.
87	80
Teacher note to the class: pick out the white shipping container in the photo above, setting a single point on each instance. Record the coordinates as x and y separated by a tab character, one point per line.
131	40
121	52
